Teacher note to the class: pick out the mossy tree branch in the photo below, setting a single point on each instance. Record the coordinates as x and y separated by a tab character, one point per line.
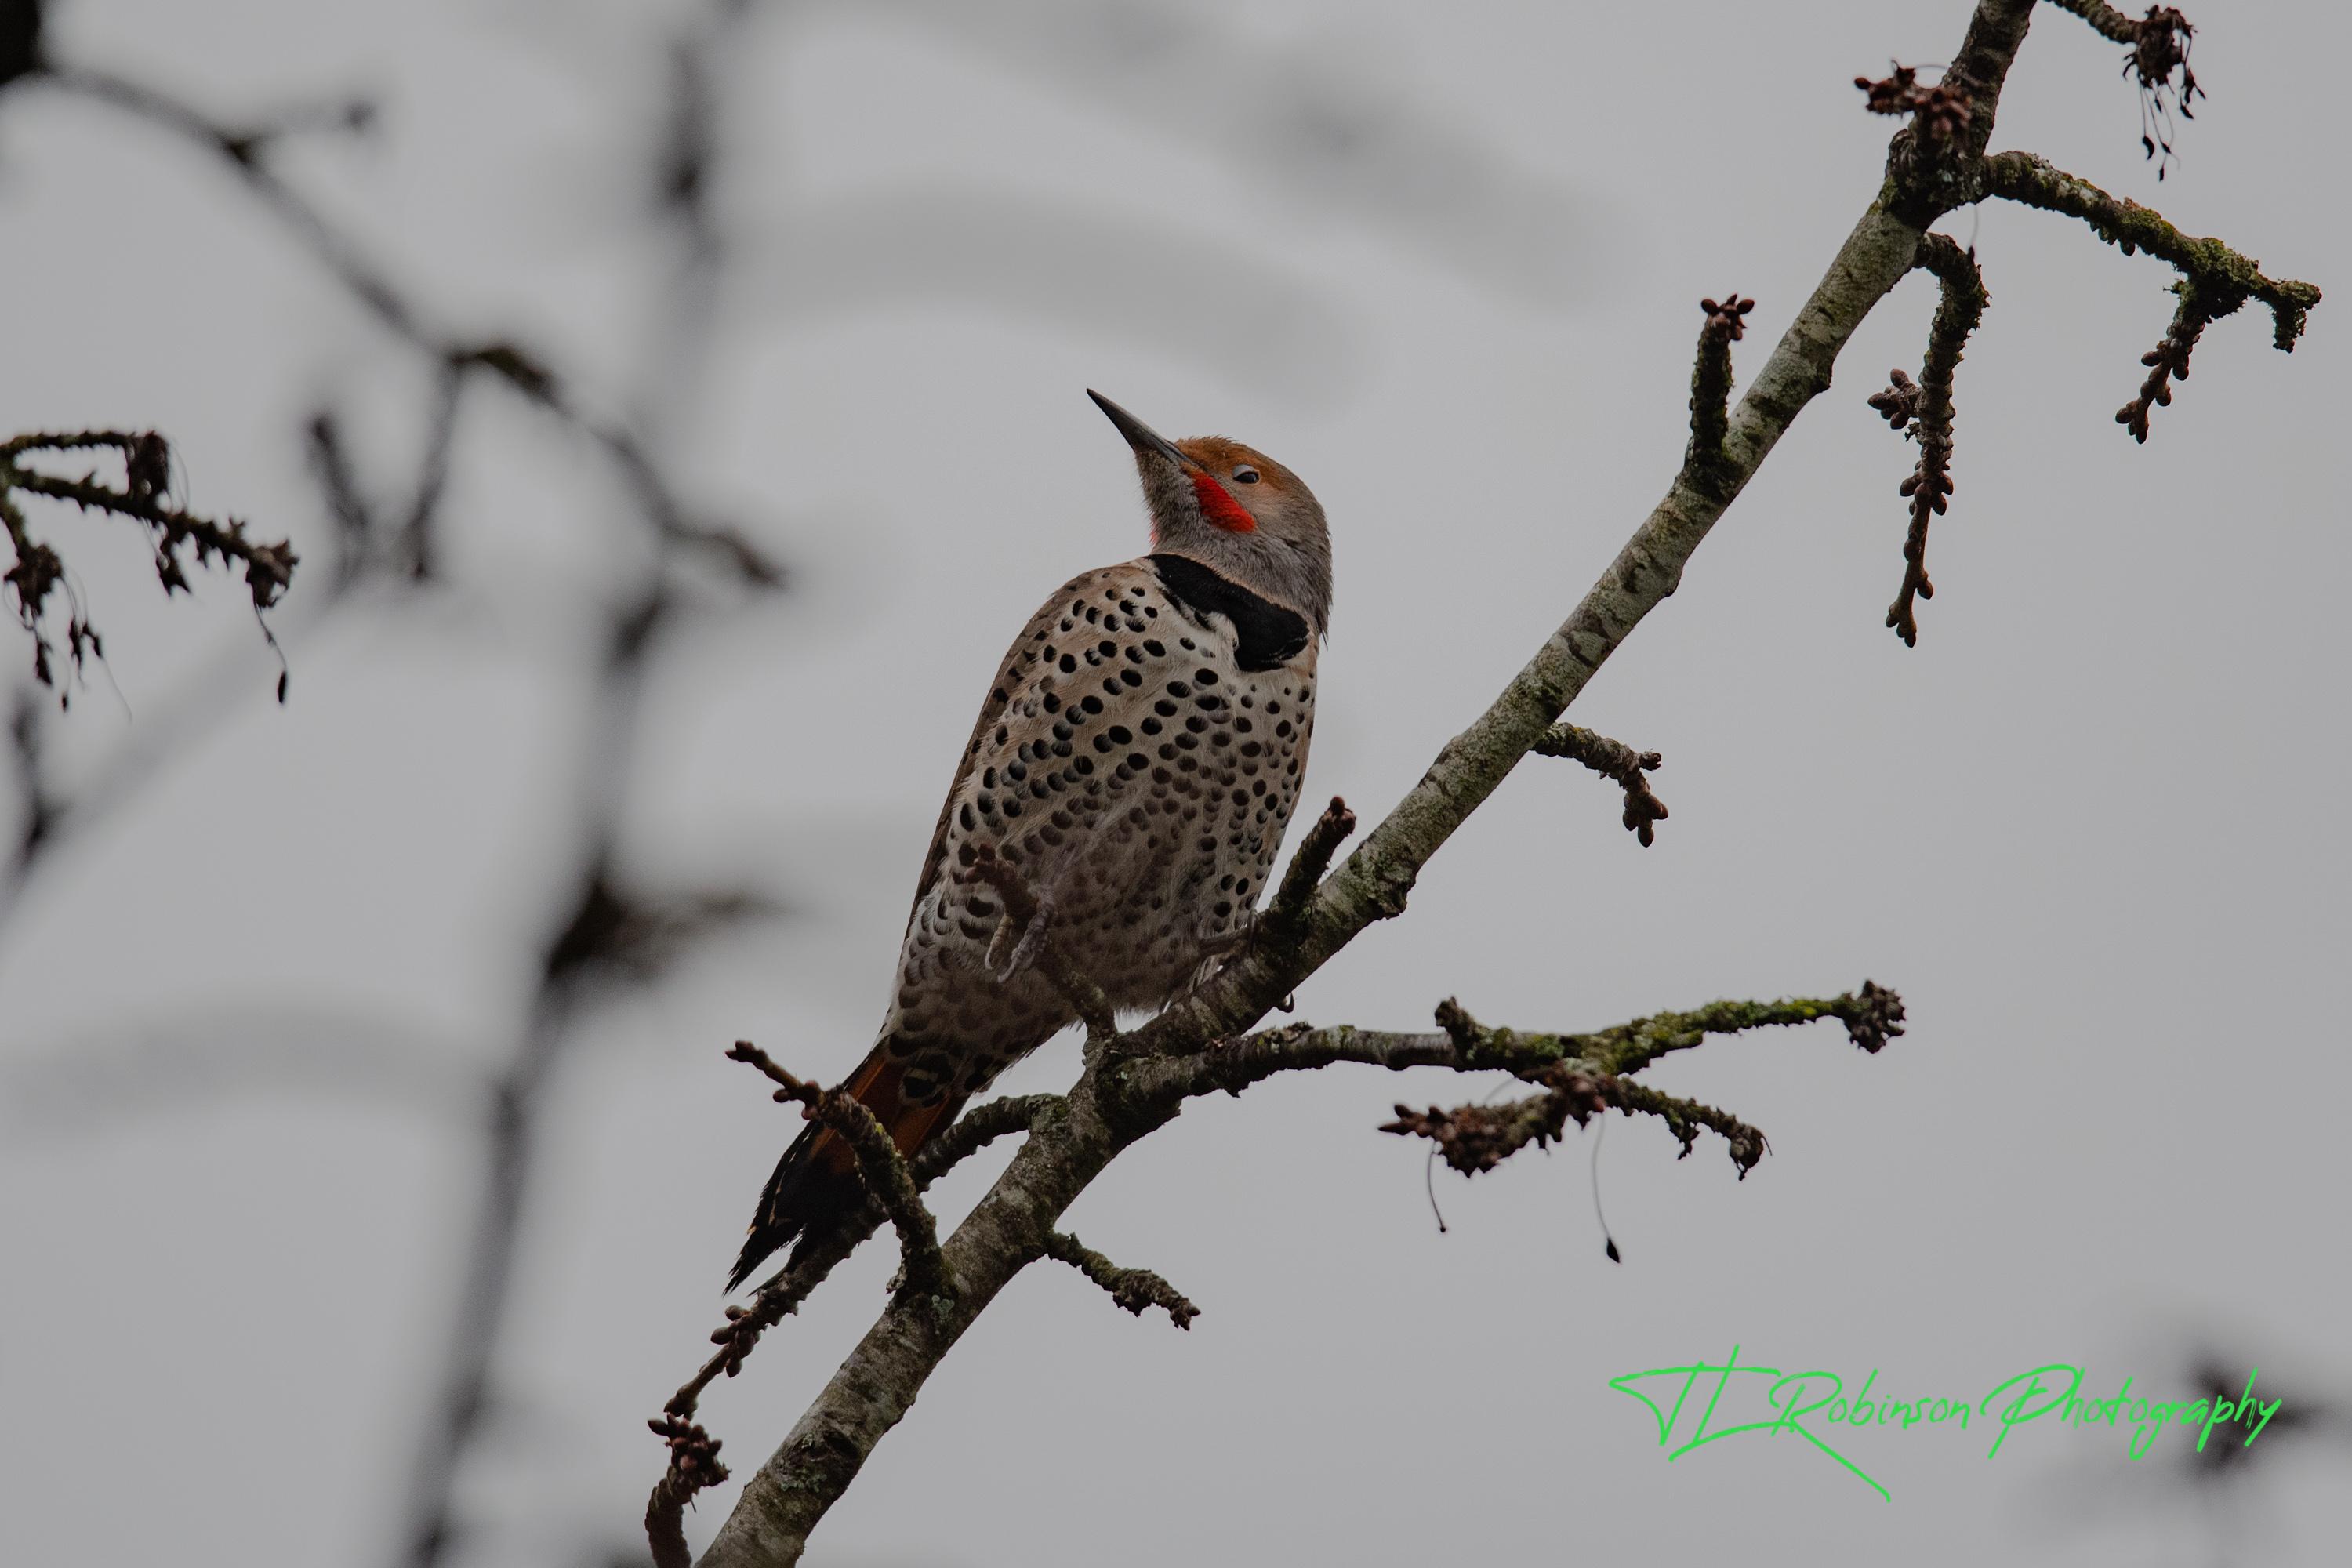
2224	275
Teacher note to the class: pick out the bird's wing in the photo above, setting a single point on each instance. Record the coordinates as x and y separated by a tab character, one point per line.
1016	674
1115	675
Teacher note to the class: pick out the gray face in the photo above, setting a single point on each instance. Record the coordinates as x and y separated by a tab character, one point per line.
1235	508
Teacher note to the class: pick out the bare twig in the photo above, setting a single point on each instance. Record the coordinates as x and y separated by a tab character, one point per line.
975	1129
775	1299
2168	360
1479	1136
1611	760
1939	111
1710	399
1872	1015
2155	49
1684	1117
1924	410
2104	19
1306	868
1131	1289
693	1464
38	571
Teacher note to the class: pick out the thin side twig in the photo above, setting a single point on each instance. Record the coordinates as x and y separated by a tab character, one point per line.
2168	360
1289	903
1478	1137
37	570
2103	19
1131	1289
693	1464
1684	1117
1710	398
1611	760
1939	110
775	1299
1924	410
2155	51
2220	272
975	1129
1872	1015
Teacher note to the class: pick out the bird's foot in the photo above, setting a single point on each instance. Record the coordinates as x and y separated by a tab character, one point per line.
1231	945
1223	950
1024	951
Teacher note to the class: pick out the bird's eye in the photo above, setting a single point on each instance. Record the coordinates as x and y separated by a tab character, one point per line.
1245	475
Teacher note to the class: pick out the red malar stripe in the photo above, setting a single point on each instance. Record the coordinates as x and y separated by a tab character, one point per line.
1221	508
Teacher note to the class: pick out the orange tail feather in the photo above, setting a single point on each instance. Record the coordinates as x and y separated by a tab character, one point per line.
816	1184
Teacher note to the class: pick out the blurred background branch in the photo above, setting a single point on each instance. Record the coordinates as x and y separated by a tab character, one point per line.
615	931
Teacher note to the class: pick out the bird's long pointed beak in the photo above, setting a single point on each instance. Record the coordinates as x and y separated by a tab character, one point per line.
1139	436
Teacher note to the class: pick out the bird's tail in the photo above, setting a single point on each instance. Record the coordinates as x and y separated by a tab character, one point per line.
816	1184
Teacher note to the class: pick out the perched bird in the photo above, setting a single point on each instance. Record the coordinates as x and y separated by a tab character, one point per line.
1136	761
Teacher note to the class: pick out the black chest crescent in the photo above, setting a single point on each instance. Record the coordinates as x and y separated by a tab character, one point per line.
1268	635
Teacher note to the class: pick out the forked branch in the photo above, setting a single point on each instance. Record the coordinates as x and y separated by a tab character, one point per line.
2223	277
1479	1136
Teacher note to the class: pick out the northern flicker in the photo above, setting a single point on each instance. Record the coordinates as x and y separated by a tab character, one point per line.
1136	761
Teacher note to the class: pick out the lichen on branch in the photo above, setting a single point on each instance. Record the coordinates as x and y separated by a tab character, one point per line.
2224	276
1131	1289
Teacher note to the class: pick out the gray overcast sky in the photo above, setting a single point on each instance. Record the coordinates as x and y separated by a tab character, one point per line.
2092	827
